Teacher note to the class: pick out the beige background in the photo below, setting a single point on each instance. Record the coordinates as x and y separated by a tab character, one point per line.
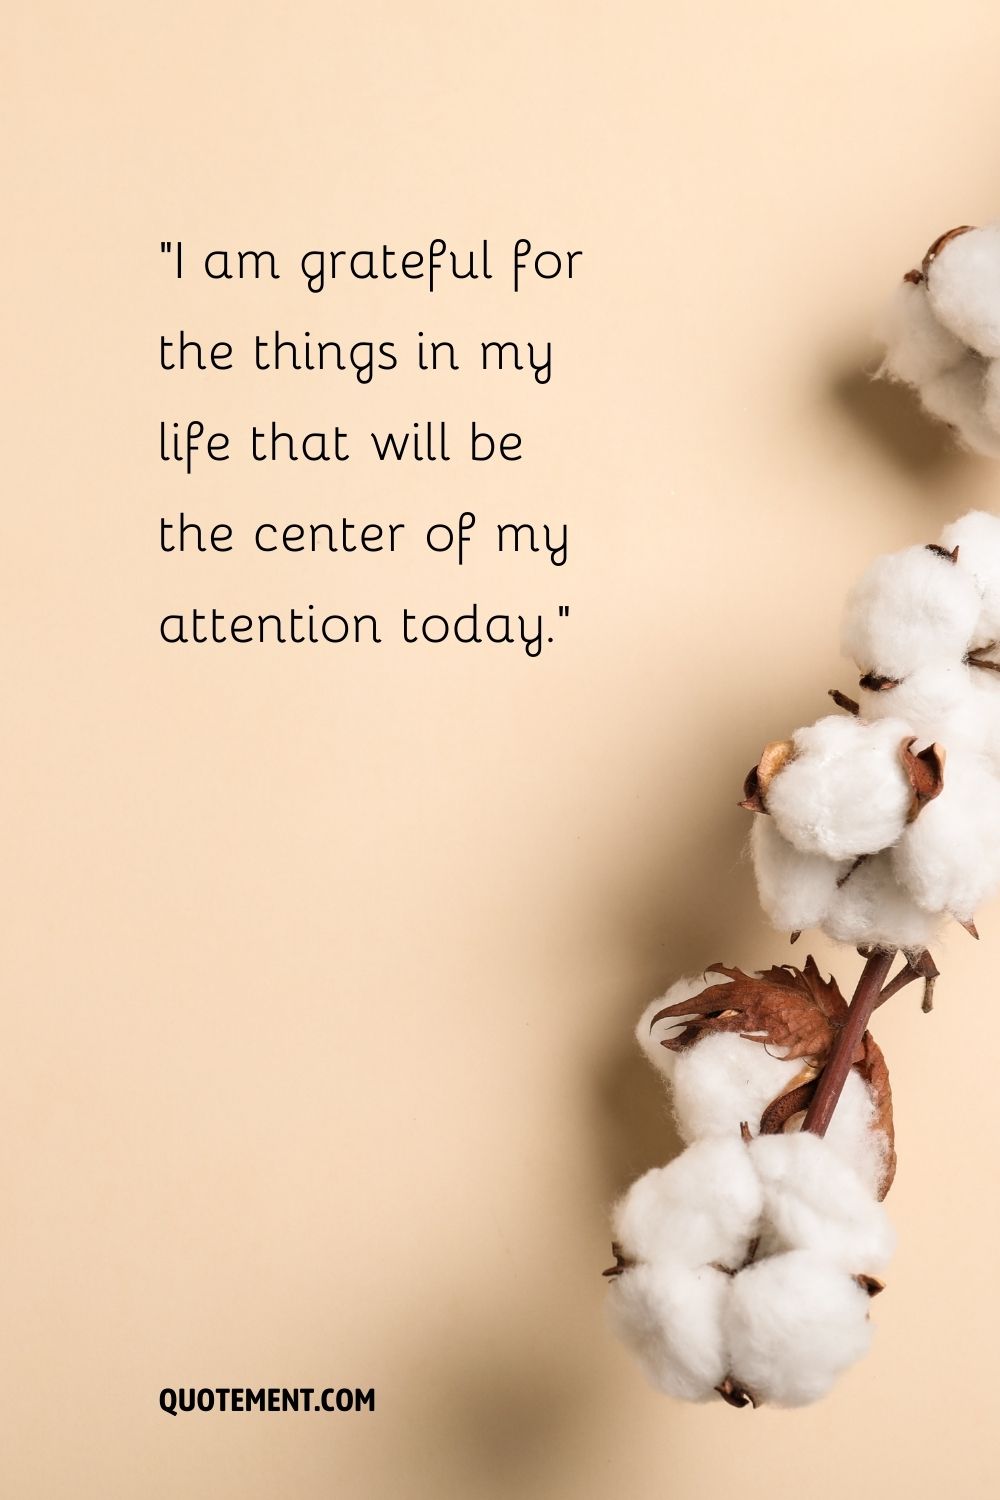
321	968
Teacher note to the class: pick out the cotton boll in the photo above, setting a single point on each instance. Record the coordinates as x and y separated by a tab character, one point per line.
941	334
939	701
963	288
948	860
844	792
853	1136
977	537
959	397
873	909
724	1080
795	1323
650	1037
814	1201
917	346
795	889
672	1320
908	609
702	1207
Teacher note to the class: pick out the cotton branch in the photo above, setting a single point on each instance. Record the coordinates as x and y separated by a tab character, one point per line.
745	1267
841	1059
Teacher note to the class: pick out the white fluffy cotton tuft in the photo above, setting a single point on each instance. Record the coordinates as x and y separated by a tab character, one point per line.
844	793
702	1208
959	398
945	700
671	1318
796	890
949	858
795	1322
942	336
814	1201
873	910
726	1079
909	609
977	537
963	289
853	1135
917	346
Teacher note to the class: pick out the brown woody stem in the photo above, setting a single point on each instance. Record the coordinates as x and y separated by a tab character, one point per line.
920	966
841	1059
906	976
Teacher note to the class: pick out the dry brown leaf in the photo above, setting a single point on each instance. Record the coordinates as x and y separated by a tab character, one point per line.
796	1009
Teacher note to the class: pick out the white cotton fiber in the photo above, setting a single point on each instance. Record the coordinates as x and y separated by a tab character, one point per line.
650	1037
795	1322
942	336
948	860
940	701
851	1134
917	346
987	684
959	397
672	1320
701	1208
844	792
977	537
795	889
814	1201
963	288
872	908
746	1262
909	609
726	1079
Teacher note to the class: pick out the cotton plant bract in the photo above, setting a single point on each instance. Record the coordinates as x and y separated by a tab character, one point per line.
745	1268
